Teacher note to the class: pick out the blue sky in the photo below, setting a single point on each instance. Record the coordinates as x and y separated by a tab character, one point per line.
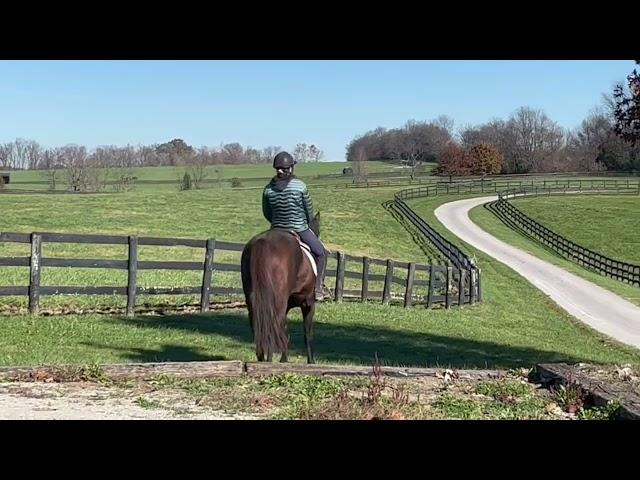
260	103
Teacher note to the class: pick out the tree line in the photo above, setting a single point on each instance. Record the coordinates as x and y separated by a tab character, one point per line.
83	170
29	154
528	141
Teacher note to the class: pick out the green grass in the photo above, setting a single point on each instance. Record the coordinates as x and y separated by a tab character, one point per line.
225	215
507	332
488	221
605	224
516	326
154	178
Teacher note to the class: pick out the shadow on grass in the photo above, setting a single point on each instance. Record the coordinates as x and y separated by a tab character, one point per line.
166	353
354	344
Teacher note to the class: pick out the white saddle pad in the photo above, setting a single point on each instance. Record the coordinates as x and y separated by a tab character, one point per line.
307	251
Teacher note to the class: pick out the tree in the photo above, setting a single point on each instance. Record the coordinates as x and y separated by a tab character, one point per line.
485	159
315	154
197	166
232	153
301	153
627	109
531	140
267	153
454	161
359	166
175	152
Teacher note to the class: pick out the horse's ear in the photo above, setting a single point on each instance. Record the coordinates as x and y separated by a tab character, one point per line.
317	217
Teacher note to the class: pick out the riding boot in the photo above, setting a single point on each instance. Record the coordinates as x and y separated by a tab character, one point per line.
322	265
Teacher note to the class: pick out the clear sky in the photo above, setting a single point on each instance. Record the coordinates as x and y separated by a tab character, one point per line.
260	103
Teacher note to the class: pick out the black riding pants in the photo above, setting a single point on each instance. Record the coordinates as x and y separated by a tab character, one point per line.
310	239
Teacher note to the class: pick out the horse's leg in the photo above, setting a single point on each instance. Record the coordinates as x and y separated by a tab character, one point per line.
283	355
308	312
270	357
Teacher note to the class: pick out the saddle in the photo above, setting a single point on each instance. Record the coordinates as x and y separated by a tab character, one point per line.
307	251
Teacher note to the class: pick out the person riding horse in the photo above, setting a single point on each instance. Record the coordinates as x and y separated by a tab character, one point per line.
287	205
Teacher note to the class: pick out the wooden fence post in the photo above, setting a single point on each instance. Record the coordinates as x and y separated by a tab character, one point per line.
365	279
447	300
472	286
133	270
461	287
34	274
432	274
411	272
386	293
339	277
207	274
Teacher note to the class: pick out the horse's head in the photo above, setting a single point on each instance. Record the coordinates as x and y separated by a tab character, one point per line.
315	225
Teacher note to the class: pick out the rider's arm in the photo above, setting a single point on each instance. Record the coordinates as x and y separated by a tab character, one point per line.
308	204
266	206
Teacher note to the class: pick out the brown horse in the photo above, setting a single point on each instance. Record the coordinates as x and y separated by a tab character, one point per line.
276	277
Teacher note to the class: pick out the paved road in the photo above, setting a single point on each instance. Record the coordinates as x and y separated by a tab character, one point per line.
593	305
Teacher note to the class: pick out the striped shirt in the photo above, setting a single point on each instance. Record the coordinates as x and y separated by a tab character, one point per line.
288	208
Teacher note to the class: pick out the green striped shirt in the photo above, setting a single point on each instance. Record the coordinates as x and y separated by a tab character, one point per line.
290	208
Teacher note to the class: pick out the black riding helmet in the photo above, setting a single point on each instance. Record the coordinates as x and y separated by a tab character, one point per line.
283	160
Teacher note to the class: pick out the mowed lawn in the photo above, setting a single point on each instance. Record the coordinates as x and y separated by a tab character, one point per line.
353	221
599	214
609	225
154	178
515	326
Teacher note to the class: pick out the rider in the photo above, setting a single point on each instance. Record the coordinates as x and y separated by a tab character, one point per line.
287	205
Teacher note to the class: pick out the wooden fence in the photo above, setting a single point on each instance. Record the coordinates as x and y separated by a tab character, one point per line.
566	185
617	269
405	283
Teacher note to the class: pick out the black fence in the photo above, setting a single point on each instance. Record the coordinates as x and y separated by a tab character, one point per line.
617	269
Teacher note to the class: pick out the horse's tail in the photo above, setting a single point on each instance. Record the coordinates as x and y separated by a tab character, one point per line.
268	302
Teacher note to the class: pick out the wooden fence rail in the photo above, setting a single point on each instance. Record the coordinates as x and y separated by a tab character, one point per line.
585	257
398	284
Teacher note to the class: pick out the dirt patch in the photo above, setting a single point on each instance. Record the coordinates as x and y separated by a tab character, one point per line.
92	401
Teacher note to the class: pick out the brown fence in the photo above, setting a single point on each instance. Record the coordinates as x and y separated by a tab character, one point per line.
395	282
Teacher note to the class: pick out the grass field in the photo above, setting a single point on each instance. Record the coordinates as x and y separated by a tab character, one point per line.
352	220
515	326
607	225
154	178
600	207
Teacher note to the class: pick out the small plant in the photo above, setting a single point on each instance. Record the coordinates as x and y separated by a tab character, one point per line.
92	372
608	412
377	382
185	182
570	397
235	182
144	403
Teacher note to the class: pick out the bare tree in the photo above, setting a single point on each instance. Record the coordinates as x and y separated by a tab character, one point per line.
6	155
359	166
232	153
52	167
267	153
301	153
532	141
315	154
197	166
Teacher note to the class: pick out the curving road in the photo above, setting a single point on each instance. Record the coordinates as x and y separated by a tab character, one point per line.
593	305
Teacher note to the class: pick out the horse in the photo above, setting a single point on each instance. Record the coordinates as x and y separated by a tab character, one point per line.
276	277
